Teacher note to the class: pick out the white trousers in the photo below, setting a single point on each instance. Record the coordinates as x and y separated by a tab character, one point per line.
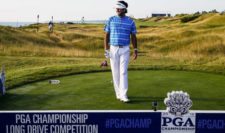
119	60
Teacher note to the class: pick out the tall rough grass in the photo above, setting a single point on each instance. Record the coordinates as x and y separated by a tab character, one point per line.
26	42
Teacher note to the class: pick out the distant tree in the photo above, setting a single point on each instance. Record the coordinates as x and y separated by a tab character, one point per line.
197	13
213	11
70	23
204	12
222	13
189	18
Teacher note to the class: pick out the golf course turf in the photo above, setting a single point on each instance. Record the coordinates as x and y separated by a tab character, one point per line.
94	91
173	55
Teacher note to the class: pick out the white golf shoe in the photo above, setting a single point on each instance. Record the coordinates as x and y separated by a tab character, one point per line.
125	100
118	97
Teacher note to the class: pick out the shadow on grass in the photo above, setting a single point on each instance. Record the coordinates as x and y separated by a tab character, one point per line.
32	101
208	99
137	100
67	101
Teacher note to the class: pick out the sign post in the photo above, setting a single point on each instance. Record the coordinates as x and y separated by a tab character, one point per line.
52	25
38	22
2	81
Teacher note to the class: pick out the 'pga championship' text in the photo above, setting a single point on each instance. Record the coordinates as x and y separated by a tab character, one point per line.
51	123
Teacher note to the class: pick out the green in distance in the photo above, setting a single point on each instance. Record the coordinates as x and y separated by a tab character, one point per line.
95	91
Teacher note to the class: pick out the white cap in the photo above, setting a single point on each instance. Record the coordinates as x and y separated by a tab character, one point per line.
120	6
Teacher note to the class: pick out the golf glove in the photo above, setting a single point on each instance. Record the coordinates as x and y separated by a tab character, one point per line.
107	54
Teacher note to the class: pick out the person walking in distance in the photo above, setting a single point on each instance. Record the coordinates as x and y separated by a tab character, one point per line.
50	26
118	31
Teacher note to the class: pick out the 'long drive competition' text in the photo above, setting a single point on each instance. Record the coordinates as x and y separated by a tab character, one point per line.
51	123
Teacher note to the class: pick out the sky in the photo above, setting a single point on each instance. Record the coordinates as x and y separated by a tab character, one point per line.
74	10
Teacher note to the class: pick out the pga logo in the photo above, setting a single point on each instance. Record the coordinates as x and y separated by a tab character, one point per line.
177	119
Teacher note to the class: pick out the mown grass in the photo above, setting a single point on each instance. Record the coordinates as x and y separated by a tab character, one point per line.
95	91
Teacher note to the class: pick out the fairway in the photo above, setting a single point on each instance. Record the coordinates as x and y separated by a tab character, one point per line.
94	91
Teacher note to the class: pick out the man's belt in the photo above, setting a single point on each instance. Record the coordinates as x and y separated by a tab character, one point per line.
120	46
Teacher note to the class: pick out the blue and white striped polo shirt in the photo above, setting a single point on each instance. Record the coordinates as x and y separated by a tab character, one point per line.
120	30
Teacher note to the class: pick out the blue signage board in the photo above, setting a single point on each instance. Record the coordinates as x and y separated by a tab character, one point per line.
81	122
110	122
210	123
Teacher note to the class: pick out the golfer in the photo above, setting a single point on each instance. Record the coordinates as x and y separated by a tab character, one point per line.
118	31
